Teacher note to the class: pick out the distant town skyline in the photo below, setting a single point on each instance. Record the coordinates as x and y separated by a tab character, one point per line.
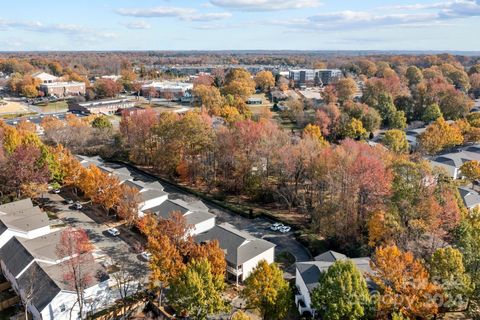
240	25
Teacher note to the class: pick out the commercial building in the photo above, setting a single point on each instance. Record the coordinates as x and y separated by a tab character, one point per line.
107	107
63	89
168	89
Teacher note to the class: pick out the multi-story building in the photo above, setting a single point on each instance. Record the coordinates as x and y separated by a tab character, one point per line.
314	77
63	89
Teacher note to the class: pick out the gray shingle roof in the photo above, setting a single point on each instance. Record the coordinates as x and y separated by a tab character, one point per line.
239	246
44	288
470	197
197	217
15	256
152	194
168	206
330	256
3	227
310	270
25	220
16	206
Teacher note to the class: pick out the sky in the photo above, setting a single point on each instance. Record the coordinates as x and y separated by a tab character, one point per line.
452	25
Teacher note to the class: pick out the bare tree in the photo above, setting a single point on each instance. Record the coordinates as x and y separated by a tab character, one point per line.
128	282
78	268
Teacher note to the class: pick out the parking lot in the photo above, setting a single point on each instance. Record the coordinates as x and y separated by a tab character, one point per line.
111	249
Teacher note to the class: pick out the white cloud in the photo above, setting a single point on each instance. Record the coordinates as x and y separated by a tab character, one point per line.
71	30
415	16
158	12
138	25
265	5
187	14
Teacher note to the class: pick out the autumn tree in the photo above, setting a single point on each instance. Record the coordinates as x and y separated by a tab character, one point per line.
471	171
431	113
448	272
106	88
209	98
212	252
78	268
240	315
467	237
267	291
239	83
196	292
264	80
439	136
414	76
396	140
404	284
23	172
101	122
345	89
342	293
128	205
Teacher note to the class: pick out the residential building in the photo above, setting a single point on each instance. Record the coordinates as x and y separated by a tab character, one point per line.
196	214
168	89
35	269
470	197
452	161
107	107
243	251
151	194
63	89
308	274
314	77
22	219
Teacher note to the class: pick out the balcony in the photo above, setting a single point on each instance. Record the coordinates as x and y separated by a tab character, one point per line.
235	271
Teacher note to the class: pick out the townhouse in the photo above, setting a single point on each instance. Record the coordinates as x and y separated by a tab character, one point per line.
243	251
307	275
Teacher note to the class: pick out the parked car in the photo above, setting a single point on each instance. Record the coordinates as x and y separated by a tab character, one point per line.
276	226
56	191
285	229
78	205
69	201
114	232
146	255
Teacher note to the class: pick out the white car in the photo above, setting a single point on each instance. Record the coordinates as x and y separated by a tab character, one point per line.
114	232
285	229
276	226
146	255
78	205
57	191
69	201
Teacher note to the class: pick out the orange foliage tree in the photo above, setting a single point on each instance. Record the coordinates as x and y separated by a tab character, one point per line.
404	285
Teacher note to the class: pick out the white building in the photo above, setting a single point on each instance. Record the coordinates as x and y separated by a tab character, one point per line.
34	269
168	89
243	251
